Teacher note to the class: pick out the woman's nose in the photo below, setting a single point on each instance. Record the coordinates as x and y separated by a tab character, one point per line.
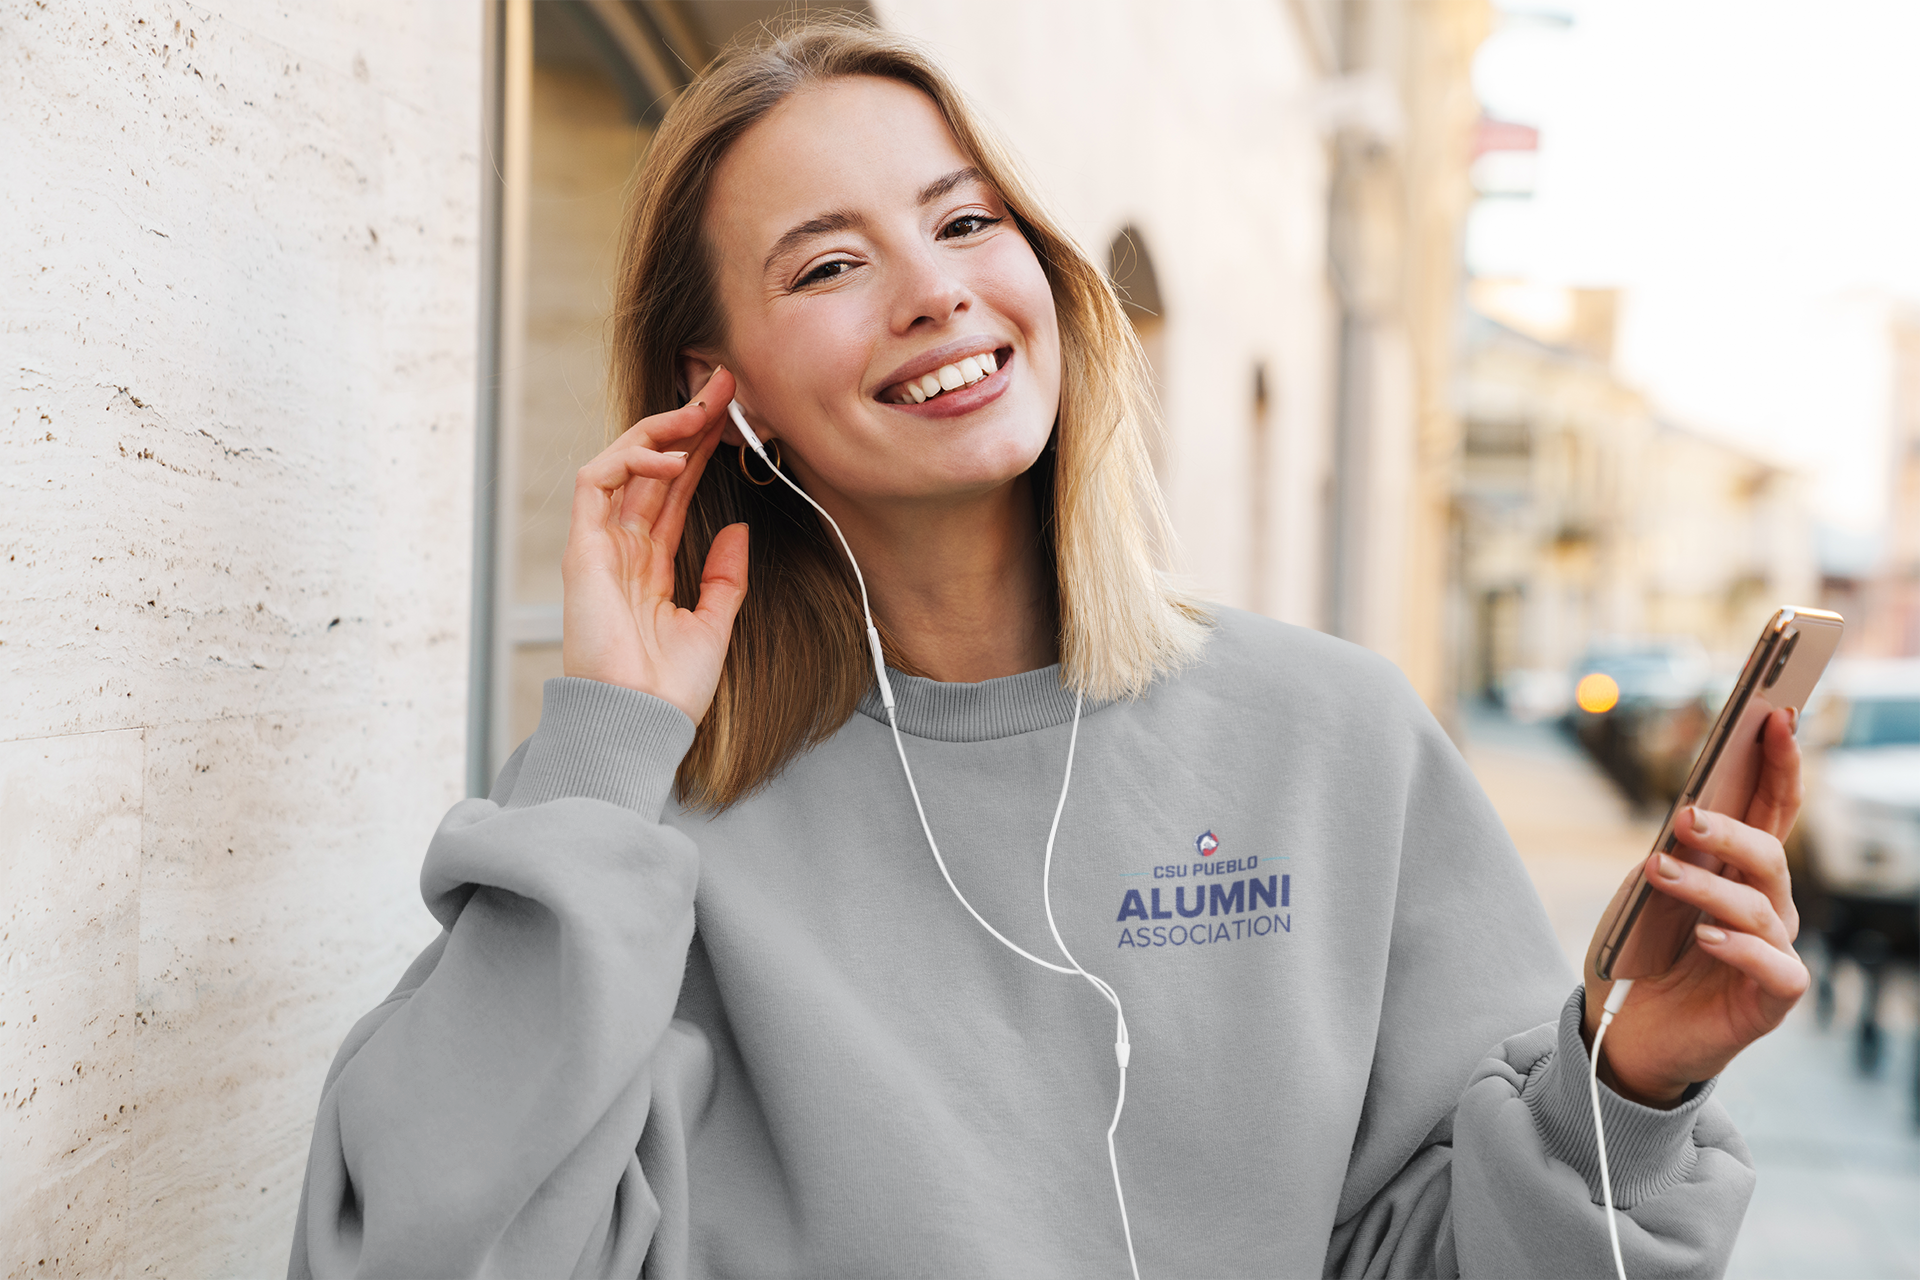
928	291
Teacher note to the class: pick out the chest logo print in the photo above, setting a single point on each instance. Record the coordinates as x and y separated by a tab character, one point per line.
1208	908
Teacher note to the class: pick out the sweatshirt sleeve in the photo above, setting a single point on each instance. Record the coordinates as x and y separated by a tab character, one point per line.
1472	1161
486	1118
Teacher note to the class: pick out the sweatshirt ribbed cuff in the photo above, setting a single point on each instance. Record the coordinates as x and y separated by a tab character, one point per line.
602	742
1648	1150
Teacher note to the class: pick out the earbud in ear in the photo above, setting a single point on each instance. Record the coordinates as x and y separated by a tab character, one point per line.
753	441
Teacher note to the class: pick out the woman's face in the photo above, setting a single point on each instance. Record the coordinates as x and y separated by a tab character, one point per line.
860	252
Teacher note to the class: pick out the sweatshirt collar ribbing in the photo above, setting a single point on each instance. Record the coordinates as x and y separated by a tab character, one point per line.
976	712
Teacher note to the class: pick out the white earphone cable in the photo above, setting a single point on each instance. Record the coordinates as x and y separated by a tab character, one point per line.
1615	998
1123	1046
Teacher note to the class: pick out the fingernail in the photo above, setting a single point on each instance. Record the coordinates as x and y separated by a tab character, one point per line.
1707	933
1793	719
1667	867
676	453
1699	819
698	404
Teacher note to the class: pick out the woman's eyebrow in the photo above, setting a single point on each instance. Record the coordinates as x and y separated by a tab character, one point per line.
839	220
940	186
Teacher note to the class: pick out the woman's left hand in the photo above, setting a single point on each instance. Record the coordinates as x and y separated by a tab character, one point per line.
1741	975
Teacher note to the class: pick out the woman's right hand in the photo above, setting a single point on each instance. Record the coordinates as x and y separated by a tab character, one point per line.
629	506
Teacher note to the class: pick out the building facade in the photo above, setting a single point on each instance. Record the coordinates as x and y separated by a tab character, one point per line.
1584	516
236	460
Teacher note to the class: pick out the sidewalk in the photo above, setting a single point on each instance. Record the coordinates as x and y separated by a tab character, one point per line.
1838	1196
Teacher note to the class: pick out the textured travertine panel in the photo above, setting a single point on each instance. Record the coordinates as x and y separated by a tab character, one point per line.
240	332
278	903
69	923
238	259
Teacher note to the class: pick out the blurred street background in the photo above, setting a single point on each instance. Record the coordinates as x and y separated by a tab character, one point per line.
1837	1153
1544	347
1690	380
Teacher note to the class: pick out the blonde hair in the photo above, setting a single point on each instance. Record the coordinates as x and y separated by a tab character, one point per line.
797	665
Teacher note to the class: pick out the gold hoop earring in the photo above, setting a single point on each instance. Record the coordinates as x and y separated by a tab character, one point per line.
772	444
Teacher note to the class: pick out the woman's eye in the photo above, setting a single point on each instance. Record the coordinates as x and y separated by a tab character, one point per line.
967	224
824	272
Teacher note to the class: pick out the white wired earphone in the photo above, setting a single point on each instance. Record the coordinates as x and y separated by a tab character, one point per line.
1615	998
1122	1046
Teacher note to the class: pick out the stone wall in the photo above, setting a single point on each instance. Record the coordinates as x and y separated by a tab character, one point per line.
237	335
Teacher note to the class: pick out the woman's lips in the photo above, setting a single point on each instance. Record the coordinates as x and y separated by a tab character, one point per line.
960	400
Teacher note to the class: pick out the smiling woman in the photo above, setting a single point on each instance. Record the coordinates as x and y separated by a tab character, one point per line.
862	192
704	1004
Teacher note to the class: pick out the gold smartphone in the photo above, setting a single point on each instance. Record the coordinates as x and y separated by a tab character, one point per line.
1648	931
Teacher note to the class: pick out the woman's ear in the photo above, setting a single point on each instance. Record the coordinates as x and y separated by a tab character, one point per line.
695	368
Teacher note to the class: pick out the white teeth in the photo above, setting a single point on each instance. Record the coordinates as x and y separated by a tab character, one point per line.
962	373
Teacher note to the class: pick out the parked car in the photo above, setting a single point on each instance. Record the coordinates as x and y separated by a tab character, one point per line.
1858	878
1531	694
1640	710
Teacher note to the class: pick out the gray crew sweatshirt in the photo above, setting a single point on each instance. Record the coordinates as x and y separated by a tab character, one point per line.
771	1043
